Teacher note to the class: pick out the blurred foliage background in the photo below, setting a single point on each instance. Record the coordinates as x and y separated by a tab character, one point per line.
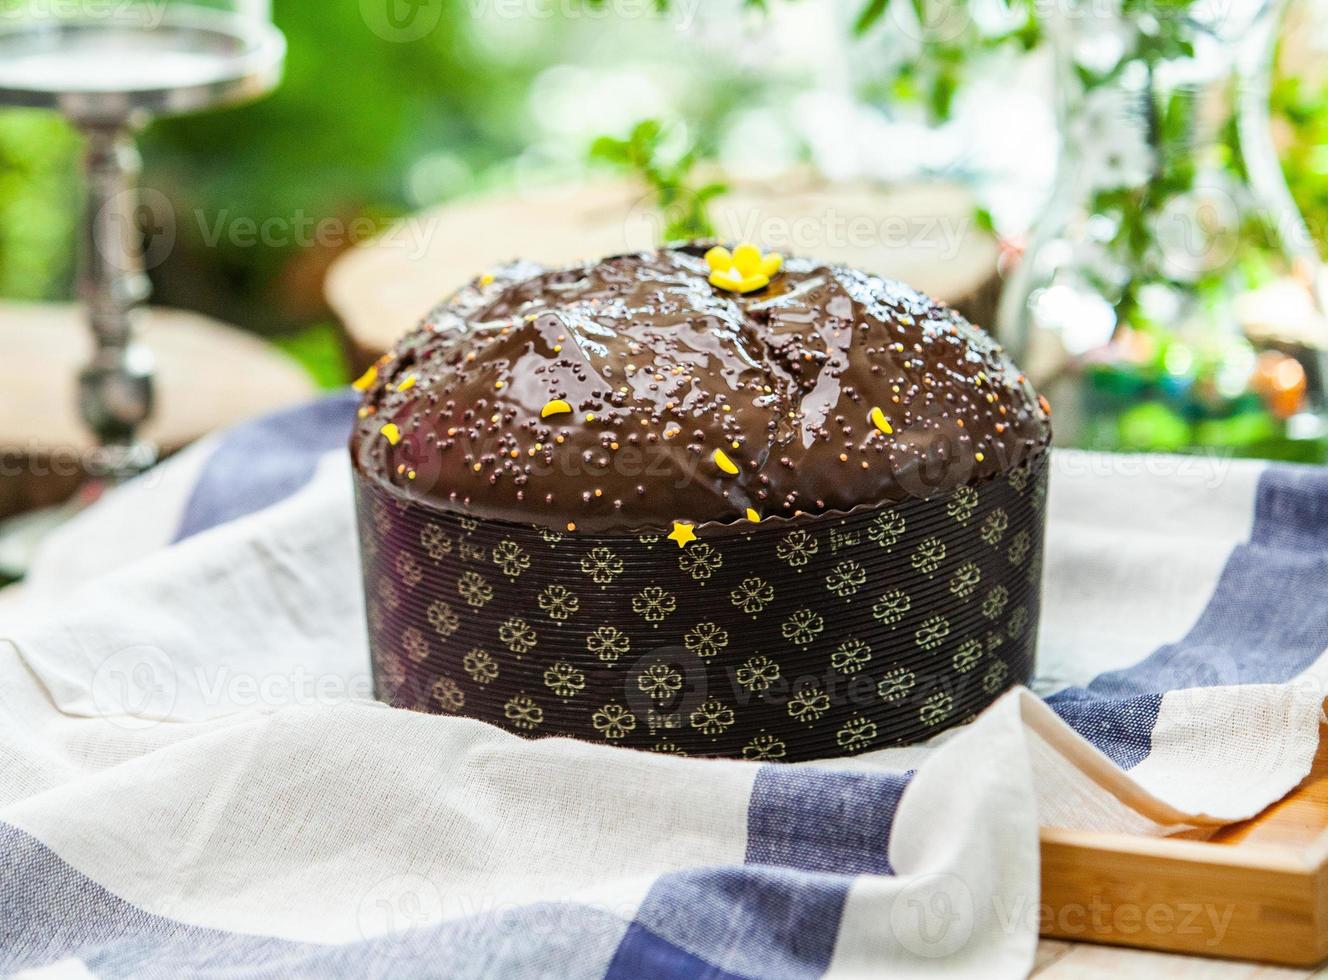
365	129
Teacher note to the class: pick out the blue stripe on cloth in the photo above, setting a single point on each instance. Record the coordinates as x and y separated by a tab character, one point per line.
49	911
809	833
821	820
1266	621
750	921
259	463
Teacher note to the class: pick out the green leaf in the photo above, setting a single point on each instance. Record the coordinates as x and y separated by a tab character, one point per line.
869	15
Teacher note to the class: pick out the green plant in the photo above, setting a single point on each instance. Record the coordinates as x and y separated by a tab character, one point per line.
645	152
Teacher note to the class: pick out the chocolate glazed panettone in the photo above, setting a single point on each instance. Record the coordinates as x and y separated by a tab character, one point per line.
701	502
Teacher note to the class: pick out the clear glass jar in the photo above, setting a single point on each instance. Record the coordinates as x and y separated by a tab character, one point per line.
1171	294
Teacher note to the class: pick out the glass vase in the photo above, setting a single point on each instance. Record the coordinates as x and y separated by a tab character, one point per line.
1170	297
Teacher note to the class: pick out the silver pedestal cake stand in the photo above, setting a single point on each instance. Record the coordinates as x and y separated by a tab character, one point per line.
110	74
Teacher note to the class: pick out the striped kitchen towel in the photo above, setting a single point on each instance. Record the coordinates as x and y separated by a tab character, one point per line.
194	779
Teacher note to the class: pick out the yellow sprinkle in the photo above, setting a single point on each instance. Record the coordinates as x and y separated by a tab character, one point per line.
366	379
363	411
682	533
410	474
557	348
879	420
718	258
555	407
753	516
497	385
736	282
407	383
486	279
979	457
724	463
590	416
391	432
736	444
747	258
571	526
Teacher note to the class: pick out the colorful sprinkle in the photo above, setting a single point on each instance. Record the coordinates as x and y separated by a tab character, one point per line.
555	407
724	463
1046	405
879	420
753	516
363	382
391	432
407	383
743	270
682	533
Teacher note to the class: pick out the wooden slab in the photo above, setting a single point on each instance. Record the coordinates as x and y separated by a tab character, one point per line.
1254	890
923	234
208	375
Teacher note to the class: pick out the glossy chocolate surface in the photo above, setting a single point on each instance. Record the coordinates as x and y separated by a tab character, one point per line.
661	369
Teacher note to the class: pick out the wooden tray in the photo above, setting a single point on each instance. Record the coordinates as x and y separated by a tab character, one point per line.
1254	890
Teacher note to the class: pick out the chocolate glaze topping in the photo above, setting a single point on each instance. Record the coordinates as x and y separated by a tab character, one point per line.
660	369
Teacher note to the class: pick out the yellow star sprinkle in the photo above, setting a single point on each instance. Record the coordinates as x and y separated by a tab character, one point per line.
682	533
743	270
879	420
363	382
724	463
555	407
753	516
391	432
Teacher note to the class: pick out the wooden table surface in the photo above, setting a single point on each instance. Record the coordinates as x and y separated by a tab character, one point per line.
1063	961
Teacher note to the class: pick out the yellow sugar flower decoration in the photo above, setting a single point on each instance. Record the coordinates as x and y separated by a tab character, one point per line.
744	270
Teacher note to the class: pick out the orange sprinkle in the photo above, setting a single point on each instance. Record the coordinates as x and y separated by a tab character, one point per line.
571	526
